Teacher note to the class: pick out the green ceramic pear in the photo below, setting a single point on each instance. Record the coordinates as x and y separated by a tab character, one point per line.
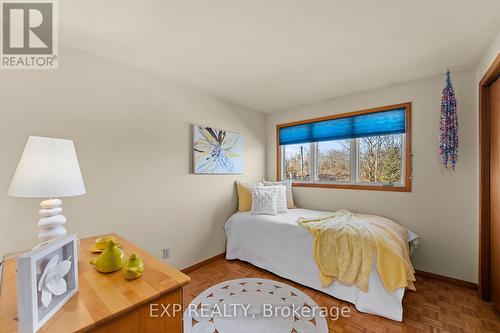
110	260
133	268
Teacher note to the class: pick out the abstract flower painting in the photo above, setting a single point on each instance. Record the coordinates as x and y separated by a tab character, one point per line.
217	151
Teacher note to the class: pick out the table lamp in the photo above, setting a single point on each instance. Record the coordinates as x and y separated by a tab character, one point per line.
48	168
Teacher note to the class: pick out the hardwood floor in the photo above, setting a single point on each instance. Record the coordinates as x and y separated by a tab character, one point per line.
435	306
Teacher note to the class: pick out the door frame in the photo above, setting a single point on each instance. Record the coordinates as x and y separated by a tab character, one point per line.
484	179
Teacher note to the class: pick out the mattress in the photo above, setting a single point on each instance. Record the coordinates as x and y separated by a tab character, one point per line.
278	244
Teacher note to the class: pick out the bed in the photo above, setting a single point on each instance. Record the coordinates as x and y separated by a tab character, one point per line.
279	245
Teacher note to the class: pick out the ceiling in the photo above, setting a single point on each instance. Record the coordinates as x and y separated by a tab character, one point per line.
270	55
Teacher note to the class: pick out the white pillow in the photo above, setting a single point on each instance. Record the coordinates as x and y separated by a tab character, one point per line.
281	204
264	201
289	194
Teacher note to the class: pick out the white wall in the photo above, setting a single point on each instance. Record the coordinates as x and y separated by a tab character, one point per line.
488	58
442	207
132	134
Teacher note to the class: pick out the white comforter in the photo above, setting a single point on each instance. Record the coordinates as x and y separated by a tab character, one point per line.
278	244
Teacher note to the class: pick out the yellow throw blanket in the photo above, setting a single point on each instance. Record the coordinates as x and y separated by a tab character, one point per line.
345	243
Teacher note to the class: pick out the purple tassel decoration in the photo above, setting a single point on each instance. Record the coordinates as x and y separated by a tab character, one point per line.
448	146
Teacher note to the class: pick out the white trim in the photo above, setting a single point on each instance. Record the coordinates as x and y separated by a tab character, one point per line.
354	161
282	163
314	162
403	158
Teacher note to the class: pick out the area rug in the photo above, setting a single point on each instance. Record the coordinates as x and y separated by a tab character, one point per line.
253	305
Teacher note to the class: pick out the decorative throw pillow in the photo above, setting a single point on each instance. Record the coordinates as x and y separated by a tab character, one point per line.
289	195
264	201
244	195
280	190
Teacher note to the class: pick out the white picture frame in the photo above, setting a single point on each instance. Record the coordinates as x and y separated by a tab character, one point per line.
33	268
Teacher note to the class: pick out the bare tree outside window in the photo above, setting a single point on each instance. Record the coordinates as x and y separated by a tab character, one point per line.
381	159
334	161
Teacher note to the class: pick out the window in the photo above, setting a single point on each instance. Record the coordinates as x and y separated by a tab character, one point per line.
297	162
334	161
367	149
381	159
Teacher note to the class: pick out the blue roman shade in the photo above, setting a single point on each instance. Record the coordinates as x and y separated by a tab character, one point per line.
370	124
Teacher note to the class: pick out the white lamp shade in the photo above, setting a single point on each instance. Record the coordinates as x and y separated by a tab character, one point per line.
48	169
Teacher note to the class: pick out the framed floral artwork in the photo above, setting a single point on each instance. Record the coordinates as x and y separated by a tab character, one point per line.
47	278
217	151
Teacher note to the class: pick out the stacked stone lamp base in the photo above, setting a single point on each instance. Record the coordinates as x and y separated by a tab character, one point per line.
52	221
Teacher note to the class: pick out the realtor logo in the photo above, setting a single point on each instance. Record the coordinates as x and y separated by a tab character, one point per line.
29	34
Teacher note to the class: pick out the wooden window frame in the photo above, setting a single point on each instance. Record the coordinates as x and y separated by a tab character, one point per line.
407	151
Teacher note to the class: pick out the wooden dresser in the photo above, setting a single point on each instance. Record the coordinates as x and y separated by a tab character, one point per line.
107	302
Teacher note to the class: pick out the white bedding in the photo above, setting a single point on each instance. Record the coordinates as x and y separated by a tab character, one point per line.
278	244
